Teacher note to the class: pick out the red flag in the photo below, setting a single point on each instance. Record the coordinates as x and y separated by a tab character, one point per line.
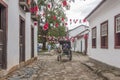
66	24
86	36
48	5
84	20
64	3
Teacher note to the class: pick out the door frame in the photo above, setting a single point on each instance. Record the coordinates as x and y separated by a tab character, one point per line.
32	41
4	60
21	18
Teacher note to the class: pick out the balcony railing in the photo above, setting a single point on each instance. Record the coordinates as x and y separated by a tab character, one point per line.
25	5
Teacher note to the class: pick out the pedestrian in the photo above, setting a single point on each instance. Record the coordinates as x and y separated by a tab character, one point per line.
49	47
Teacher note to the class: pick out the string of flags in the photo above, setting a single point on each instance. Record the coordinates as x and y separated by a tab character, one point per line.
49	5
72	39
74	21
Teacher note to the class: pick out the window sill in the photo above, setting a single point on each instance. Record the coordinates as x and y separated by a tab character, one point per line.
117	47
93	46
104	47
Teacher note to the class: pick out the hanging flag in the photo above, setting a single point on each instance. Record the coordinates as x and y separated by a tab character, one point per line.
80	21
84	20
66	24
75	21
70	21
48	5
64	3
86	36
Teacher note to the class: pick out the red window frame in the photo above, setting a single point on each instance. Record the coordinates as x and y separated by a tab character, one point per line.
94	37
116	33
104	35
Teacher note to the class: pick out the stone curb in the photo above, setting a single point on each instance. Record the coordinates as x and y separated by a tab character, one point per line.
105	74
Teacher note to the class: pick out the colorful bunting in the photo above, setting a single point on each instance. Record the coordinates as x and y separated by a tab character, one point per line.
75	21
84	20
66	24
86	36
48	5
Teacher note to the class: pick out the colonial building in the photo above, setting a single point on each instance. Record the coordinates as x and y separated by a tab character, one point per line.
104	39
78	38
18	34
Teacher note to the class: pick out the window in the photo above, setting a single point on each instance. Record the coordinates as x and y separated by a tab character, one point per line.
117	31
104	34
94	37
0	18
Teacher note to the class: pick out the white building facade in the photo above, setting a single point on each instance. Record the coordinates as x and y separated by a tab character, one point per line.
18	34
77	36
104	36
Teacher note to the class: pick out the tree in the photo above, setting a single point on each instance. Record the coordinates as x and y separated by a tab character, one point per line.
56	11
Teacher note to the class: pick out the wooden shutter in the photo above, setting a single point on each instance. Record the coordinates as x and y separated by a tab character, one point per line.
104	29
118	24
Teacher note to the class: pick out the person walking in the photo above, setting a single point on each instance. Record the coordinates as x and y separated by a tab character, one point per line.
49	47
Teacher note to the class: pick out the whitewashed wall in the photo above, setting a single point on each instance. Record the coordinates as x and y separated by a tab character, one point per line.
28	36
76	46
13	34
35	40
107	11
80	45
76	31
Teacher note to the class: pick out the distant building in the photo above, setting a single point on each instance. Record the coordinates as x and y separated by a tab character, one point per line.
104	39
77	37
18	34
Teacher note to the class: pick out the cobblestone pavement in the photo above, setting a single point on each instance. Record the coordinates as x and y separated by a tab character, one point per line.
48	68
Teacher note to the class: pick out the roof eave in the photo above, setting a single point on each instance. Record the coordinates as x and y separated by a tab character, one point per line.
95	9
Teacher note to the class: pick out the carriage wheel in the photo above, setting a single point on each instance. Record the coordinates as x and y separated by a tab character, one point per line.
59	58
70	55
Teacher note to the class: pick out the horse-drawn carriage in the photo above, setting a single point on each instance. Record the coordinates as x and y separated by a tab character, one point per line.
65	50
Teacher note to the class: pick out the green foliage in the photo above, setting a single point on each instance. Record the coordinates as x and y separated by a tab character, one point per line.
60	31
57	11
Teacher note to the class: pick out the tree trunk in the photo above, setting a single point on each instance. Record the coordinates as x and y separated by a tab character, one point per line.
44	44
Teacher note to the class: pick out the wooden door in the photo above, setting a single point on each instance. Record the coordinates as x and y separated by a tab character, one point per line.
3	41
22	40
32	42
86	45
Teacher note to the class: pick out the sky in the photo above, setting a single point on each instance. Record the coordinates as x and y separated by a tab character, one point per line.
78	11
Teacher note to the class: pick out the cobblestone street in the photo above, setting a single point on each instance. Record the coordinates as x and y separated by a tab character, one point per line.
48	68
